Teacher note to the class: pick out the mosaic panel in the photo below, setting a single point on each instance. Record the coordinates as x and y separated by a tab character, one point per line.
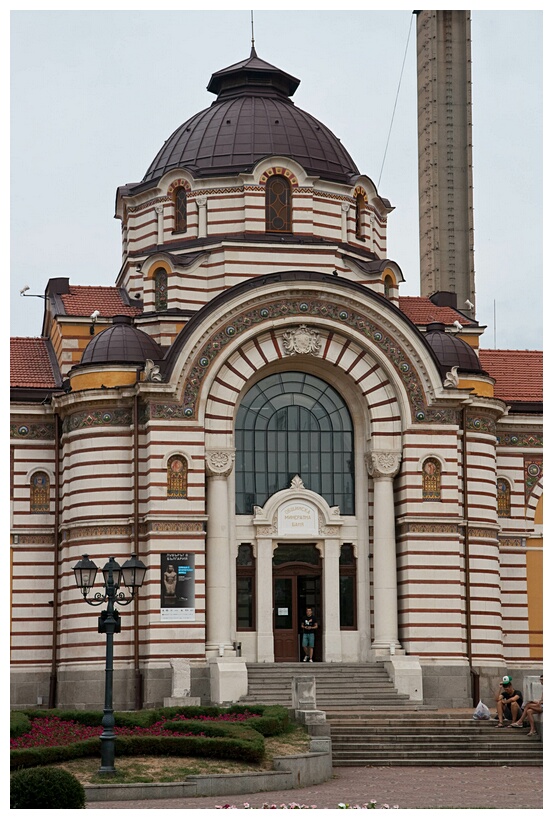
98	418
32	431
518	438
533	471
481	423
317	308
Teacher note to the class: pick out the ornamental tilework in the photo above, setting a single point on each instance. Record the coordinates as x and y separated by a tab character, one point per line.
516	438
98	418
533	471
32	431
303	305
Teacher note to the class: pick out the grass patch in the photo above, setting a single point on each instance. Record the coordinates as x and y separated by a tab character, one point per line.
132	770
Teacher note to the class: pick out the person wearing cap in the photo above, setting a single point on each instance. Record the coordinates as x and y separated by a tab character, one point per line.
530	709
509	702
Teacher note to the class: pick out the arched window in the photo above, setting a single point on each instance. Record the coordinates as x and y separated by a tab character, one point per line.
359	208
348	586
278	205
503	498
177	477
160	286
431	480
180	210
40	493
245	588
388	286
293	424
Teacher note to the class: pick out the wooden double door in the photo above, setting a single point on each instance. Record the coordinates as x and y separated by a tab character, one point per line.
296	587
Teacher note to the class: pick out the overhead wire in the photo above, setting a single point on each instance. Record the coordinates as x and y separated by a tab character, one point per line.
396	99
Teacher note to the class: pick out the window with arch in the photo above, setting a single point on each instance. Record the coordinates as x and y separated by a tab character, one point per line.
388	286
359	209
180	210
278	205
503	498
431	480
291	424
245	588
177	477
160	288
40	493
348	587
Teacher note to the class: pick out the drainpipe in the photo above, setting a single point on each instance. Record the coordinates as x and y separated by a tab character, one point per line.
474	679
138	683
52	692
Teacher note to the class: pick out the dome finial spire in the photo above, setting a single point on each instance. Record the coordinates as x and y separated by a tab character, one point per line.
253	52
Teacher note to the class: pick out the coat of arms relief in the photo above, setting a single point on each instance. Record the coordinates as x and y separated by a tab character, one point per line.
301	341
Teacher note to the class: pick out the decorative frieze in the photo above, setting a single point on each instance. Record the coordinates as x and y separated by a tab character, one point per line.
511	542
114	417
32	431
481	423
516	438
430	528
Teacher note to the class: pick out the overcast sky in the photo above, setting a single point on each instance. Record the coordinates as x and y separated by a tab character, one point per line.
94	94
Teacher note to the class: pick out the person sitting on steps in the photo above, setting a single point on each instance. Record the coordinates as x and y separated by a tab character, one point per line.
508	701
309	625
530	709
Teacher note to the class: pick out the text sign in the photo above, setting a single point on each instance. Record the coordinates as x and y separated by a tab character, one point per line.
297	518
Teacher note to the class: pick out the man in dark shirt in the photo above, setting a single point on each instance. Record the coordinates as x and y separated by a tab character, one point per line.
509	702
308	625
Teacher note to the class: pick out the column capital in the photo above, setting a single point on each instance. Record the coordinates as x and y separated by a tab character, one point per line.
382	464
219	462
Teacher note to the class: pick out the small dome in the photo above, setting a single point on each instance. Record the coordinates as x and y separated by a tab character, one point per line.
121	344
253	117
451	351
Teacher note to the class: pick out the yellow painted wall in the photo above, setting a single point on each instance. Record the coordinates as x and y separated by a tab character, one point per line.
534	570
106	378
538	515
480	387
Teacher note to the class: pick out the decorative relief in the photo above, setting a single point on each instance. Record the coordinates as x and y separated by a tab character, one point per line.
329	530
99	531
152	371
178	183
304	304
430	528
32	431
166	412
40	540
302	341
175	526
219	462
483	533
451	378
98	418
382	464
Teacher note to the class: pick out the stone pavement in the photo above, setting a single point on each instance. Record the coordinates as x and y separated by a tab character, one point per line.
508	787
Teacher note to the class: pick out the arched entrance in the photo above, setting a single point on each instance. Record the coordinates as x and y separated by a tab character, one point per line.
297	585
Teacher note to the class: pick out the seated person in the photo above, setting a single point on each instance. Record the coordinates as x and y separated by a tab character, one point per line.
530	709
509	702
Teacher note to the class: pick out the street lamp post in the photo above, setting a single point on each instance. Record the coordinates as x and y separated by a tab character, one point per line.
131	573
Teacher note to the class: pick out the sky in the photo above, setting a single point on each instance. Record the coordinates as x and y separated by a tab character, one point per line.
94	94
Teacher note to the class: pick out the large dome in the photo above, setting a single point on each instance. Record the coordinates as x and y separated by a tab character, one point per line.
252	117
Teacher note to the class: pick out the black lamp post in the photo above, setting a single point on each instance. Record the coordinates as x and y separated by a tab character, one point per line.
131	573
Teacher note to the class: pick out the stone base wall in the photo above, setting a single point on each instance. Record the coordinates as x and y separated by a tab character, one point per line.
84	688
446	686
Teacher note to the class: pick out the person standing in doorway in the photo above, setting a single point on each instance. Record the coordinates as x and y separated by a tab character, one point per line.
309	626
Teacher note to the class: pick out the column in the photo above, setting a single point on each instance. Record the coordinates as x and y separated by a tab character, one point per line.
263	600
201	201
345	208
383	466
332	640
219	464
159	212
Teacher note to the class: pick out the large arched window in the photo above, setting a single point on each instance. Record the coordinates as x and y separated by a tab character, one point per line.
180	210
293	424
278	205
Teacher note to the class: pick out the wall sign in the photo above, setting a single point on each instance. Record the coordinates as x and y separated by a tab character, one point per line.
298	518
178	592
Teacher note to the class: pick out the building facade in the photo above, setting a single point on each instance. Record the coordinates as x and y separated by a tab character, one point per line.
256	412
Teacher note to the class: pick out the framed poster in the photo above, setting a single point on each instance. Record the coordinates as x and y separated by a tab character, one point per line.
178	587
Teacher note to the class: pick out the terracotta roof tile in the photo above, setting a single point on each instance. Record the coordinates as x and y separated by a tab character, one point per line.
83	300
30	364
518	373
422	311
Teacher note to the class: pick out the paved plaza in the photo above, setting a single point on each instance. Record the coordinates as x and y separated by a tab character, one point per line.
506	787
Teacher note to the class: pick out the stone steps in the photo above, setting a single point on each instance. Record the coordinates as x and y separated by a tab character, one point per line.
425	739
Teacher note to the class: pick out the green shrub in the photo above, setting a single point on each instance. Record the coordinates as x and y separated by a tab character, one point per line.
51	788
47	755
19	724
